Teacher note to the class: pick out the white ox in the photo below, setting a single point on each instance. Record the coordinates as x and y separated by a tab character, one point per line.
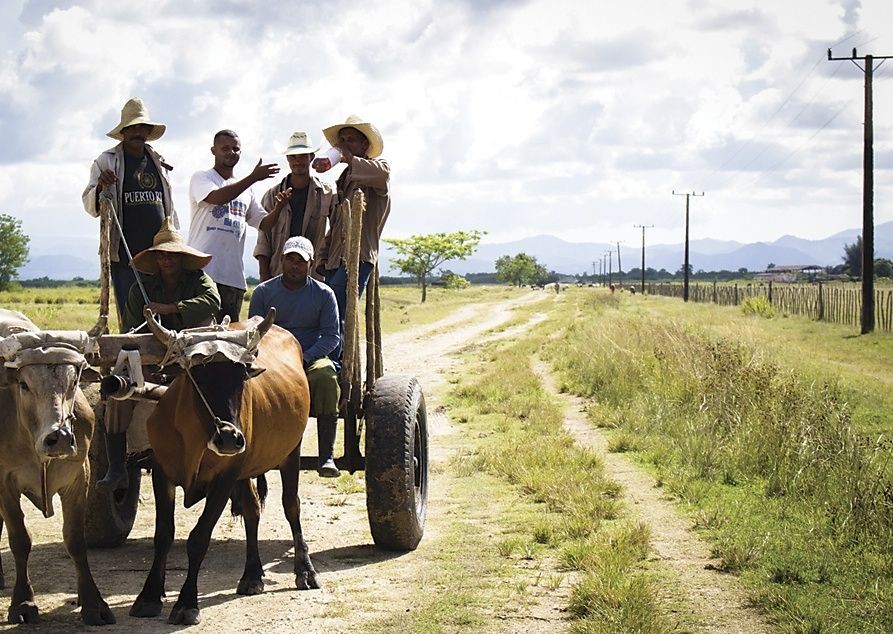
46	425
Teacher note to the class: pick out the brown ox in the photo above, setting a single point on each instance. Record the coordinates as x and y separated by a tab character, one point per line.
260	422
47	425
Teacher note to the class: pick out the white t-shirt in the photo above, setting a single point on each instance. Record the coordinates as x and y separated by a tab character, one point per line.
220	229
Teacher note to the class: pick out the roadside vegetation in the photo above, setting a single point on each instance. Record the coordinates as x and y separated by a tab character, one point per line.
790	483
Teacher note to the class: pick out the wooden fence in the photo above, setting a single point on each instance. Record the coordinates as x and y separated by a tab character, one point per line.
821	302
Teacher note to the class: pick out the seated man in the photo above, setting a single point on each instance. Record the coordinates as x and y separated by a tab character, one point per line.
308	310
183	296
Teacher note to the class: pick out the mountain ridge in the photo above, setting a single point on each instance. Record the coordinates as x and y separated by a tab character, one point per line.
556	254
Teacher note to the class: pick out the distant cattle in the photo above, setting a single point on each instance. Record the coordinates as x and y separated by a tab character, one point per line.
47	427
260	408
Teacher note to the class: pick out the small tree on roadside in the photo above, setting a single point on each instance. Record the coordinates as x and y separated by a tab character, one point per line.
421	254
13	248
520	269
852	257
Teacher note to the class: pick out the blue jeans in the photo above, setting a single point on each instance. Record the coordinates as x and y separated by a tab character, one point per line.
337	281
123	278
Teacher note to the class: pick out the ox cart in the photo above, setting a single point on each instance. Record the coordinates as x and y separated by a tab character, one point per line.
386	411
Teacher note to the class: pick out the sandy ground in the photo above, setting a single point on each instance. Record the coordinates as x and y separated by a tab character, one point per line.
360	582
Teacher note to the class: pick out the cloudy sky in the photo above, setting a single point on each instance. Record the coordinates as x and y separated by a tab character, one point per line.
575	118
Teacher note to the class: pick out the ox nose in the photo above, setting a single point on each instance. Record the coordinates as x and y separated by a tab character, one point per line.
60	442
228	440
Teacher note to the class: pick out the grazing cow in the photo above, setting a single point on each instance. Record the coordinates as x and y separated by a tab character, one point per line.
260	410
47	426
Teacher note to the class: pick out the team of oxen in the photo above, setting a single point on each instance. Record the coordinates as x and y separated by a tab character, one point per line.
236	409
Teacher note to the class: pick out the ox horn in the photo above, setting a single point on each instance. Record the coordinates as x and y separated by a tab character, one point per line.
101	327
264	326
161	333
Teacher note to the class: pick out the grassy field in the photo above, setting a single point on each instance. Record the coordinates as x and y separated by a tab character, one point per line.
77	308
774	433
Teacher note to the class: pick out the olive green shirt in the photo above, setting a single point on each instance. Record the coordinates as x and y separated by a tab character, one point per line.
196	298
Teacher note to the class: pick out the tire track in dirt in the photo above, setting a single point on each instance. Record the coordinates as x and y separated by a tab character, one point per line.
717	600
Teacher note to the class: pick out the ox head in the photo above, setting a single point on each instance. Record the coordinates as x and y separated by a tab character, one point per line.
41	369
219	363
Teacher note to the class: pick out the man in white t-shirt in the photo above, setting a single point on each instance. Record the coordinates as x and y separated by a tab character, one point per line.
221	207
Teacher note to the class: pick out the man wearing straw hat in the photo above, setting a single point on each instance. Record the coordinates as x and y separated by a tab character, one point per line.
299	205
221	206
138	178
357	144
184	297
307	309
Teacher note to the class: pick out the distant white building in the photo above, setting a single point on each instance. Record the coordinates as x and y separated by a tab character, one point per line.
791	273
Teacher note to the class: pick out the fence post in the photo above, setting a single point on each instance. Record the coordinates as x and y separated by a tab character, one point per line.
736	294
821	304
770	291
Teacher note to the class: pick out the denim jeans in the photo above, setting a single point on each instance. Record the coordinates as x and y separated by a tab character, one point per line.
337	281
123	278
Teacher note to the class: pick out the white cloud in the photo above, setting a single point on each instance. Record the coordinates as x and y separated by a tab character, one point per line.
549	116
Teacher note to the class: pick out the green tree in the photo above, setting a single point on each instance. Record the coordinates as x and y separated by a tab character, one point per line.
421	254
852	257
13	248
883	268
520	269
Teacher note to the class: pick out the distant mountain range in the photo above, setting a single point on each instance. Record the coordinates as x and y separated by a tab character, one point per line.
54	261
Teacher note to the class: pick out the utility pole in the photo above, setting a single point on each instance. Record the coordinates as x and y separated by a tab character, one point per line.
867	189
601	266
593	271
643	227
619	267
685	263
609	254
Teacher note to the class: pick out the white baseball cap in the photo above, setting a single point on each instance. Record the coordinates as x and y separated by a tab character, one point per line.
300	245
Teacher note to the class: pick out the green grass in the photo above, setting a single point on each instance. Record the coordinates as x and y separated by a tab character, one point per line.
781	457
523	442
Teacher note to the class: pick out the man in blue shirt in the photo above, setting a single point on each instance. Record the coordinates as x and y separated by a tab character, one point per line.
308	310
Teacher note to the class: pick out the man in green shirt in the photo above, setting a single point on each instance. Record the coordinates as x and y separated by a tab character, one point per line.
183	296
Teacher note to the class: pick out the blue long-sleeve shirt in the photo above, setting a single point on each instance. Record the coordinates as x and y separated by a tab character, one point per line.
309	313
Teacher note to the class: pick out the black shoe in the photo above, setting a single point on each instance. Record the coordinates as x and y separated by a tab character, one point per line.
116	450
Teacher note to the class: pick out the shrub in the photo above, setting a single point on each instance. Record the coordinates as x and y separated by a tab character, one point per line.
759	306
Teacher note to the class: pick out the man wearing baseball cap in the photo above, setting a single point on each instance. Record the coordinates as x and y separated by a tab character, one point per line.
307	309
299	205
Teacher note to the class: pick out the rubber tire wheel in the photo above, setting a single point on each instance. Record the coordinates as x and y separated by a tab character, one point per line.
397	463
110	515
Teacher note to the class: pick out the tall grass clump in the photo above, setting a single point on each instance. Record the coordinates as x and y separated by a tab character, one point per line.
759	306
800	501
530	449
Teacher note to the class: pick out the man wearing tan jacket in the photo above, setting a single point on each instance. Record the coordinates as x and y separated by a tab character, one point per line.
138	179
360	144
300	205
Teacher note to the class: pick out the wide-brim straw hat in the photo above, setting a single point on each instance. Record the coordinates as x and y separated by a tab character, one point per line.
300	143
134	113
376	143
169	240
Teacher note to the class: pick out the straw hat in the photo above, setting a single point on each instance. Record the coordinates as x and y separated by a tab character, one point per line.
300	143
169	240
133	113
376	143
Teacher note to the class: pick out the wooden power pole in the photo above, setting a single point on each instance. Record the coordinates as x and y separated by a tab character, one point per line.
643	227
685	266
867	189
